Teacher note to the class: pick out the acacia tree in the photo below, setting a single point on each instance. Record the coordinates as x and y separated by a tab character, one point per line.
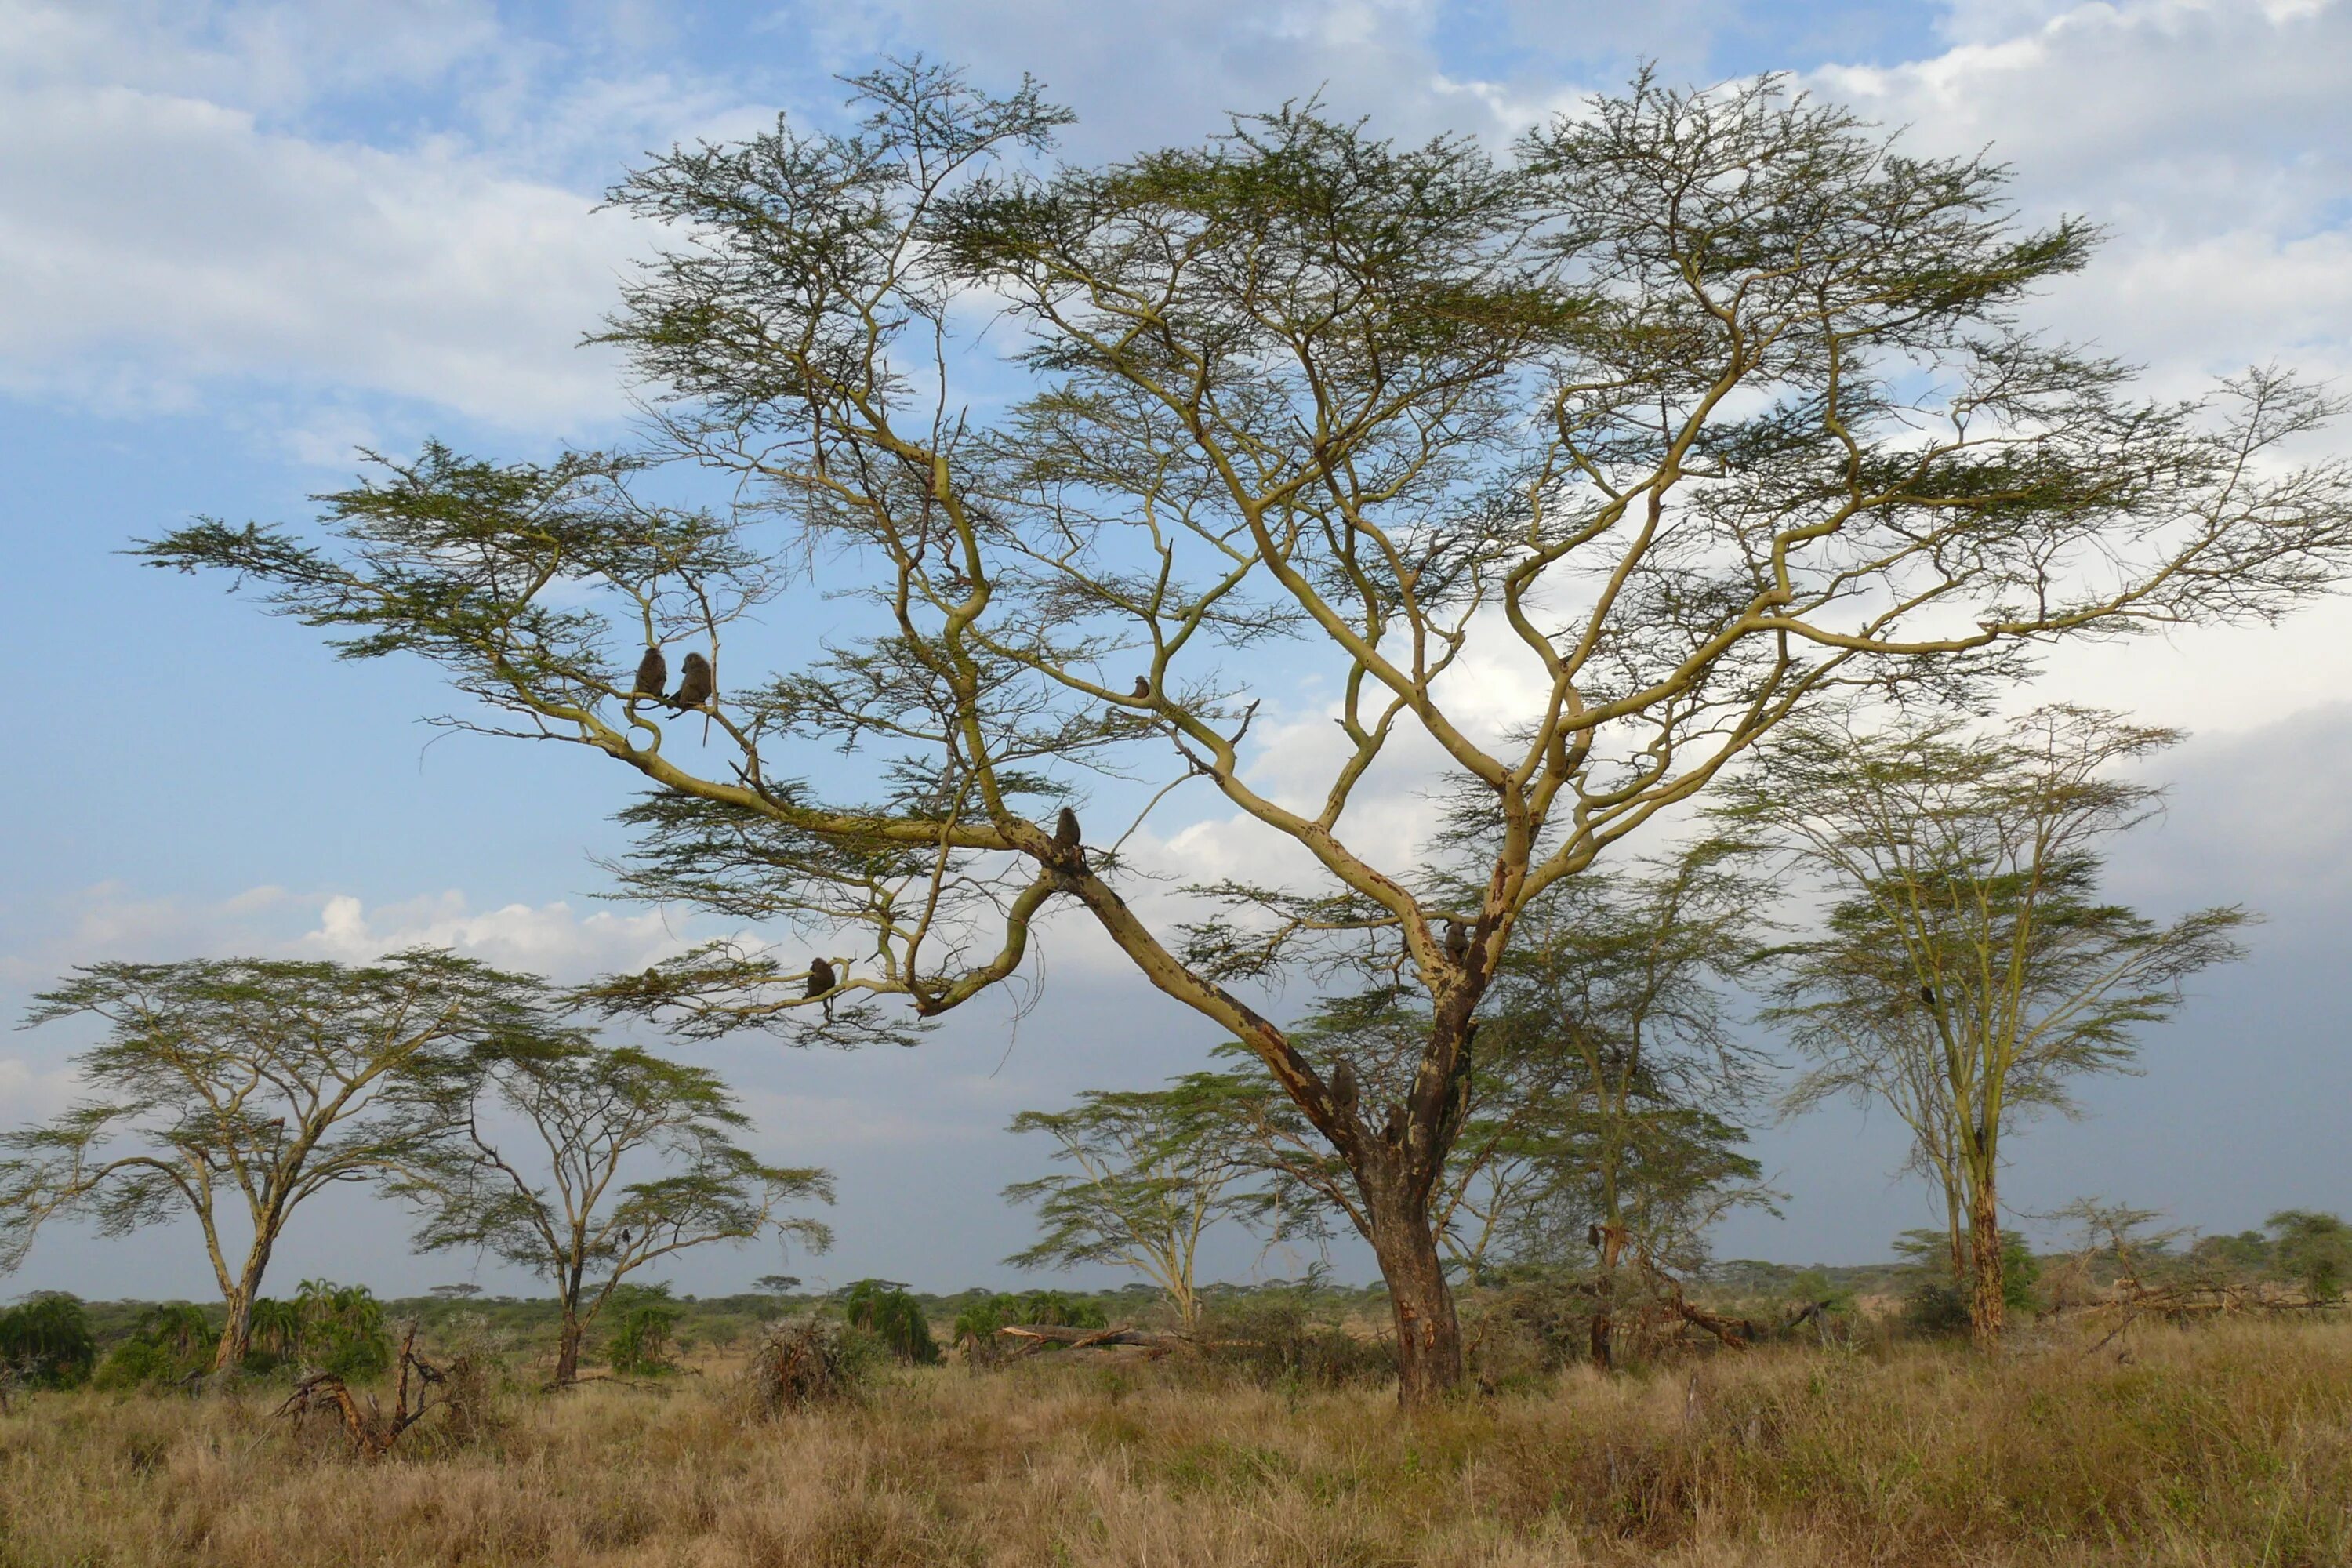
248	1084
1694	411
1155	1170
1612	990
1967	970
632	1159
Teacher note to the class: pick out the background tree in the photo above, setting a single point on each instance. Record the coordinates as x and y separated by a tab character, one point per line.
2312	1249
1700	409
633	1158
1967	971
1611	996
1155	1170
247	1087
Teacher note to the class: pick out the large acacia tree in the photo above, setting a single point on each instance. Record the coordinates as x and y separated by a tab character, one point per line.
1693	410
232	1091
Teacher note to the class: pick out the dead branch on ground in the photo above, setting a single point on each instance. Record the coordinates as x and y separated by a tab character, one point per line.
373	1433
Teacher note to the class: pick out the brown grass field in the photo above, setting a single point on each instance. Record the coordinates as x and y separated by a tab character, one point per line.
2226	1445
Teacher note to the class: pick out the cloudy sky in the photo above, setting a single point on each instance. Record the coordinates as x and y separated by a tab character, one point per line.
240	241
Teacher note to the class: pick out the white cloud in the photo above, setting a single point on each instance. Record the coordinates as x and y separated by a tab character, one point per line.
157	239
547	939
109	921
2211	138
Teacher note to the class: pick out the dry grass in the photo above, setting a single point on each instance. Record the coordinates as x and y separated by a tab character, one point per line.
2228	1446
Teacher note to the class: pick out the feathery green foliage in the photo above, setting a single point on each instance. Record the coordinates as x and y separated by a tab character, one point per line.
46	1341
883	1309
248	1084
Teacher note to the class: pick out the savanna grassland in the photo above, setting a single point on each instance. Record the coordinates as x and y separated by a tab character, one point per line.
2227	1444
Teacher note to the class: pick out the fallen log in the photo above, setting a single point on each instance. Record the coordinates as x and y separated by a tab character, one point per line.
1036	1336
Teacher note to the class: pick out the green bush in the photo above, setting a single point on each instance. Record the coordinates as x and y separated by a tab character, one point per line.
1936	1306
2314	1249
645	1345
137	1363
2020	1273
275	1335
342	1330
46	1342
884	1308
1283	1337
167	1343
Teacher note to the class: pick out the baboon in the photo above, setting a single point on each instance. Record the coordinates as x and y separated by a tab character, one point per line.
695	686
653	674
1142	687
1928	994
1457	941
821	983
1343	1085
1065	837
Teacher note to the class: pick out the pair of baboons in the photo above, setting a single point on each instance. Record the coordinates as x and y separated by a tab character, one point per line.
695	685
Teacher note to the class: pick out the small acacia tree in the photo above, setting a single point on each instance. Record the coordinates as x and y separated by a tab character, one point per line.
1694	411
247	1087
1967	971
632	1159
2314	1249
1612	992
1156	1169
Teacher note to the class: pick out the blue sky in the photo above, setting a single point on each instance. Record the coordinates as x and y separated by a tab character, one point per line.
241	241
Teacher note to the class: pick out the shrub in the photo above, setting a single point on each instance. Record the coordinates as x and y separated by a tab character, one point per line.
807	1361
1528	1327
645	1345
1935	1307
2020	1271
276	1334
2314	1249
46	1342
179	1327
342	1329
885	1310
168	1342
1282	1337
136	1364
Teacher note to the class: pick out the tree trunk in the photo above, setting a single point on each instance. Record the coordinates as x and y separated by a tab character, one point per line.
236	1331
1429	1337
1604	1305
1987	1311
567	1350
1956	1233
